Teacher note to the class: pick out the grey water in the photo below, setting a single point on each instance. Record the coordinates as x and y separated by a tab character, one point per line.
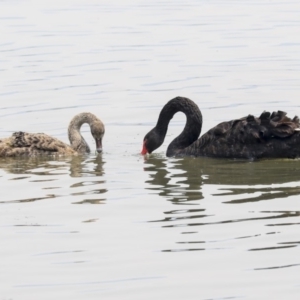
123	226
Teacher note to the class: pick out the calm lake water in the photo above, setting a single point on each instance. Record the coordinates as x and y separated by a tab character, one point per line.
123	226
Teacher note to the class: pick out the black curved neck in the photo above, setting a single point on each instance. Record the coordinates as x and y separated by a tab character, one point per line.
192	127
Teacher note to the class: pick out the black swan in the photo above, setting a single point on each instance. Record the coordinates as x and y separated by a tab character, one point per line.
31	144
268	136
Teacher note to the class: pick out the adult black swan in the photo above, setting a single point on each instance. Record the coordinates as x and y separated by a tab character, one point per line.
32	144
268	136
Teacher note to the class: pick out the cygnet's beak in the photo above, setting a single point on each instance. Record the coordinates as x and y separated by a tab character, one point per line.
99	145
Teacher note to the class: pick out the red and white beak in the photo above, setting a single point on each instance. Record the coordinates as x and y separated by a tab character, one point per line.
144	150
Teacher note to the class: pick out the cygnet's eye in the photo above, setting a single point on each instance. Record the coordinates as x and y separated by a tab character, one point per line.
97	136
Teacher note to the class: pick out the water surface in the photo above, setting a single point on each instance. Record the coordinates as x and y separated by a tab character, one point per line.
123	226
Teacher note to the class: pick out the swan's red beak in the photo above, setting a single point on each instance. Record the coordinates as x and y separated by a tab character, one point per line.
144	150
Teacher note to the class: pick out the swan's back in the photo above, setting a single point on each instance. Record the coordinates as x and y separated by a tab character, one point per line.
270	135
30	144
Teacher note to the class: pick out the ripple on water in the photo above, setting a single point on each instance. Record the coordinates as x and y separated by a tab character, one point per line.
249	188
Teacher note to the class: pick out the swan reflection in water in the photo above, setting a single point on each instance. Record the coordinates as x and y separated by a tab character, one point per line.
84	165
204	187
170	178
87	167
38	169
182	180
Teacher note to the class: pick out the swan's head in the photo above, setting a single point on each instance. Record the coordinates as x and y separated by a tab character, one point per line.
97	131
152	141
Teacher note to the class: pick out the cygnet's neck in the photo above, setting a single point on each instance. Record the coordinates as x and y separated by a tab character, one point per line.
77	141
